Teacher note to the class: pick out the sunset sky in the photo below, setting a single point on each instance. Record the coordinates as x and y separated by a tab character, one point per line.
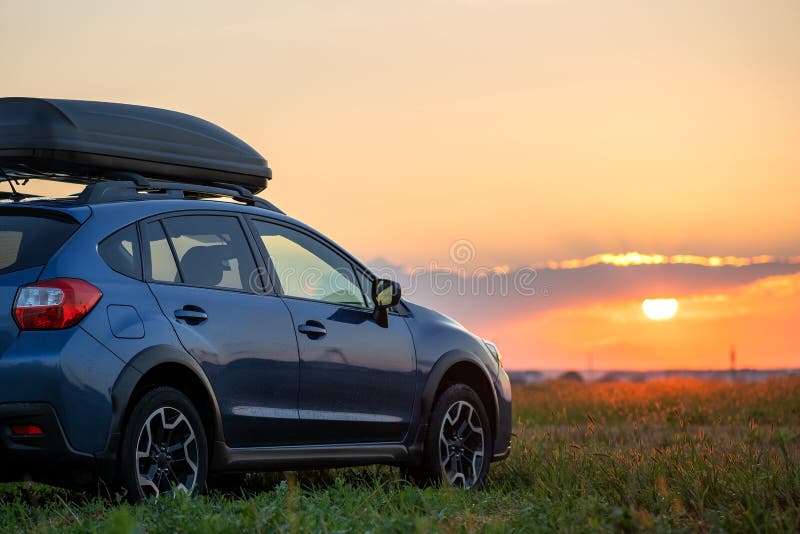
497	140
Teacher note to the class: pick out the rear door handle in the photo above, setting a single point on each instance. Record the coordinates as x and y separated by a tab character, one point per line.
312	329
193	315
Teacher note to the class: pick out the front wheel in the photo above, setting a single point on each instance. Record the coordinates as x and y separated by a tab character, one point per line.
458	447
164	447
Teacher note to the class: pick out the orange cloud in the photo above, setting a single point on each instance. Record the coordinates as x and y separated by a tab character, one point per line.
758	319
636	258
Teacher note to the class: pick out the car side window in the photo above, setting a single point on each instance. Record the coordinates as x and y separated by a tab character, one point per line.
366	287
308	269
212	251
162	267
121	252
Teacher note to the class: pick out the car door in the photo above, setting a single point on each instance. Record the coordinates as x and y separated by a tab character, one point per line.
356	378
202	271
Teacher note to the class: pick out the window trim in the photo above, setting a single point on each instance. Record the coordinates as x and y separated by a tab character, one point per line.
147	273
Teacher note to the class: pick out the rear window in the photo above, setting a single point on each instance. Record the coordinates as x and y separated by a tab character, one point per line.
29	241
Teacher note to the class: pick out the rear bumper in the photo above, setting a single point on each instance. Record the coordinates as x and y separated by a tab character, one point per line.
42	458
69	371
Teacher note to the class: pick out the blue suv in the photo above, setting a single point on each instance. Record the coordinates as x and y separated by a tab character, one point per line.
154	336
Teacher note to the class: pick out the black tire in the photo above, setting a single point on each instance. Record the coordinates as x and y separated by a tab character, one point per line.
165	424
467	446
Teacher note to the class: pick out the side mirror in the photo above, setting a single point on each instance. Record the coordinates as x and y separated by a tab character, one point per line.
385	294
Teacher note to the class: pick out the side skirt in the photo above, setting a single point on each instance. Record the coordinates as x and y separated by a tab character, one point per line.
304	457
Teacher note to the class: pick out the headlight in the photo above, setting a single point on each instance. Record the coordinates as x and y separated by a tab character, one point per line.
493	349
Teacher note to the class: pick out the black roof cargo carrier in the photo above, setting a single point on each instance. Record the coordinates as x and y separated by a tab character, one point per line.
78	137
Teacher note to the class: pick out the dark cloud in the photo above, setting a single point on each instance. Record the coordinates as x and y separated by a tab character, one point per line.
473	296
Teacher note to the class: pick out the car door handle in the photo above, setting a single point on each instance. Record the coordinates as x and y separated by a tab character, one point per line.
191	314
312	329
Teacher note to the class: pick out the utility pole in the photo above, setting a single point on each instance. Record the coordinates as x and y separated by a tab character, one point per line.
733	362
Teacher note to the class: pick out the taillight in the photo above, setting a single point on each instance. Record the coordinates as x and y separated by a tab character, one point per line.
27	430
54	304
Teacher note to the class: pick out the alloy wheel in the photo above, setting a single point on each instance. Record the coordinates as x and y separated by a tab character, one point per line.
461	445
167	454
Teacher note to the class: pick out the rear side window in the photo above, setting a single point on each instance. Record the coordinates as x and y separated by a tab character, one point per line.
162	262
120	251
29	241
212	251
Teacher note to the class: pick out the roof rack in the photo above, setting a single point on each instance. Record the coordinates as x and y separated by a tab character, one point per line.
114	186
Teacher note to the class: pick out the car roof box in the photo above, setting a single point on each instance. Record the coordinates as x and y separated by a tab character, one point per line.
90	138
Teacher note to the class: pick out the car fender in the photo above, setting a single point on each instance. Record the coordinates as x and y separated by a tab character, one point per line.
435	376
133	372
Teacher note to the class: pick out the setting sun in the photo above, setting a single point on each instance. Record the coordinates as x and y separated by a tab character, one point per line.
660	309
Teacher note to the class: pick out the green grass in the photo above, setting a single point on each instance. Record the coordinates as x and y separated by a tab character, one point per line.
690	456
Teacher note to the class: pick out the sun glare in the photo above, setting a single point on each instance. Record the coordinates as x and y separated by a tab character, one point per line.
660	309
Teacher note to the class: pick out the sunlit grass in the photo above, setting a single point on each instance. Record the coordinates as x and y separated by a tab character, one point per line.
675	455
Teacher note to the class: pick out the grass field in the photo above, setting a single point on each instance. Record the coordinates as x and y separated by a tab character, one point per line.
677	455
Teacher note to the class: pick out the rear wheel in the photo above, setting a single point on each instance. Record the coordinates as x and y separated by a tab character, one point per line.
458	445
164	447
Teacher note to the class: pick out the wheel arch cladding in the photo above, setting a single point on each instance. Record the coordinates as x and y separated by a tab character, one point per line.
460	368
167	366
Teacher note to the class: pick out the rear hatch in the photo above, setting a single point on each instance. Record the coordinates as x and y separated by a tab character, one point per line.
29	237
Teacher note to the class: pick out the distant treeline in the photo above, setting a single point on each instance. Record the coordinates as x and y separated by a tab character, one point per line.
739	375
